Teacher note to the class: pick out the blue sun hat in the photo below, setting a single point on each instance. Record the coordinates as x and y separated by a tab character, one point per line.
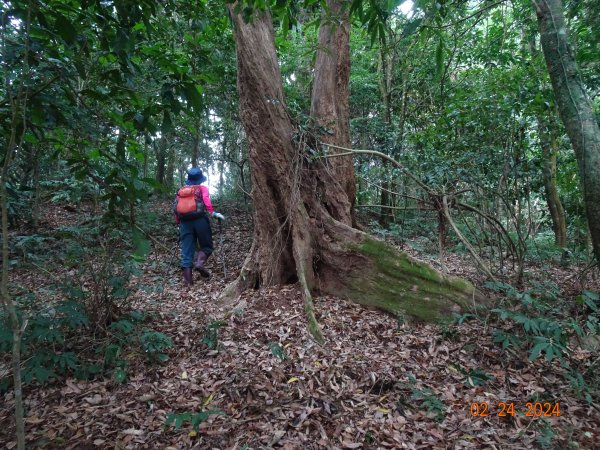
195	176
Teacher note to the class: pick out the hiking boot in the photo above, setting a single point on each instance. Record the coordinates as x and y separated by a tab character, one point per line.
188	276
199	265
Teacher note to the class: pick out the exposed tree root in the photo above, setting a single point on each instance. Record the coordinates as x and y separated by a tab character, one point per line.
354	265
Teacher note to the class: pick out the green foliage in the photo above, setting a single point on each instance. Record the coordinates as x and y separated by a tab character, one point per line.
545	433
51	344
427	400
177	420
542	328
154	344
277	350
461	318
129	332
475	377
542	323
581	387
211	334
422	398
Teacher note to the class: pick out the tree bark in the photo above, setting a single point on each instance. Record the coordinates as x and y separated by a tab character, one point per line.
170	166
161	158
385	89
196	148
330	96
17	325
120	147
224	146
574	107
549	144
297	237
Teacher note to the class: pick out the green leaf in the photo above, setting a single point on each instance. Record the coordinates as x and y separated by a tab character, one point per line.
549	353
167	123
180	418
65	29
277	350
535	351
193	95
590	299
285	25
42	374
141	244
119	375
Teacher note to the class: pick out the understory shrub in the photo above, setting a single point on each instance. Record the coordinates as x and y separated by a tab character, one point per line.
81	322
542	323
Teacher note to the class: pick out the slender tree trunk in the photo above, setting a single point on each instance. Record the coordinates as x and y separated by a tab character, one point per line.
196	148
385	87
161	156
549	144
36	200
222	166
17	327
574	107
384	196
330	96
170	166
120	148
145	168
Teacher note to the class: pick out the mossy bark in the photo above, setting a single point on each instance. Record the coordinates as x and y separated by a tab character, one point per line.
390	280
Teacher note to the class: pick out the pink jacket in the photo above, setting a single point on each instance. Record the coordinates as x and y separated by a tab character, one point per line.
201	194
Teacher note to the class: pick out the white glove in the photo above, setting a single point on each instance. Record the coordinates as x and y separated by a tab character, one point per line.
218	216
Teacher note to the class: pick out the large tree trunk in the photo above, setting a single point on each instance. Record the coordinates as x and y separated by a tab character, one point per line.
330	95
574	107
549	143
296	234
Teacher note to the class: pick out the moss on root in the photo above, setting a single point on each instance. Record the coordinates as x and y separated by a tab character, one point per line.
398	284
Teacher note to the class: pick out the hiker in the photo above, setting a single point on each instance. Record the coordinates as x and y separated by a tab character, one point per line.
191	207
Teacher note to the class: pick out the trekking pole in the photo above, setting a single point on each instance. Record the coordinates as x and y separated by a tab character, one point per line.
174	251
221	251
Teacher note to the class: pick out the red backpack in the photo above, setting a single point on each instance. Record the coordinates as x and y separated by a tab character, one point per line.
188	205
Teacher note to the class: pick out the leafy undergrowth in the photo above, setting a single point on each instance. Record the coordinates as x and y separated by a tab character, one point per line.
254	378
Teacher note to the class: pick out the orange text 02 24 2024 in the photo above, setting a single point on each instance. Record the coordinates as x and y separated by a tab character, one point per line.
503	409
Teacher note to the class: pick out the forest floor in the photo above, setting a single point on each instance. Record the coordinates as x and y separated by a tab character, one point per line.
376	383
